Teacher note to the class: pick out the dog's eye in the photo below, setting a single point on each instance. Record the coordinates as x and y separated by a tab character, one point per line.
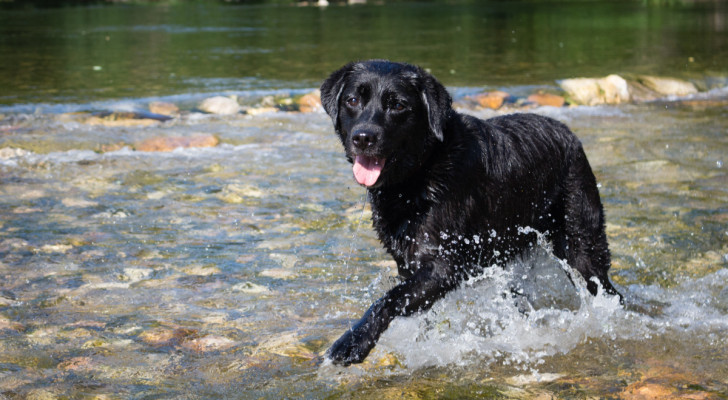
352	101
397	106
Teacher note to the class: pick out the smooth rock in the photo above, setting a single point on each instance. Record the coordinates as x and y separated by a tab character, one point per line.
492	100
237	193
10	152
208	343
171	143
6	323
40	394
668	86
612	89
77	202
166	336
163	108
547	99
220	105
76	364
55	248
278	273
250	288
261	110
310	102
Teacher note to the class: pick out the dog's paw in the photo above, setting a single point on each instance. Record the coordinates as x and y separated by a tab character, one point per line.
351	348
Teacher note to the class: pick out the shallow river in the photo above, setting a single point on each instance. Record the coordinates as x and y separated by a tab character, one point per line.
227	271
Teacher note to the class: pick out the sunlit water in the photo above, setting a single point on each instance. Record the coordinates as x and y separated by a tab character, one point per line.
229	270
226	272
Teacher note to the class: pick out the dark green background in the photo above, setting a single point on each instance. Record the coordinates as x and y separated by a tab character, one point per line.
78	52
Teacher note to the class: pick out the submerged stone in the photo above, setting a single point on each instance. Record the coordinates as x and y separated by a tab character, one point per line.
76	364
278	273
163	108
547	99
168	336
261	110
207	344
10	152
250	288
164	144
40	394
123	118
287	345
238	193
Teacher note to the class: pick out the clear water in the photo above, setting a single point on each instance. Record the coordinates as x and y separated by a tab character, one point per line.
227	271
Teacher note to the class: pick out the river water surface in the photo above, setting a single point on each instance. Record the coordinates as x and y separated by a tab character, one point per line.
227	271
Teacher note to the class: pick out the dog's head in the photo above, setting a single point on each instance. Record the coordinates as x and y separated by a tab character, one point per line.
389	116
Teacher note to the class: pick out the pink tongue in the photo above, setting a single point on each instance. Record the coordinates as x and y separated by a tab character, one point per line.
367	169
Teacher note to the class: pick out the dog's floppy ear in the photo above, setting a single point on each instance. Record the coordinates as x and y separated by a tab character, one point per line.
438	104
331	92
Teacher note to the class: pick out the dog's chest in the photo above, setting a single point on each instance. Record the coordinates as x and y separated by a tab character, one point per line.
399	225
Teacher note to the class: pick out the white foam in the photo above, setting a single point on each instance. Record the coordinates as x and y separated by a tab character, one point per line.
482	322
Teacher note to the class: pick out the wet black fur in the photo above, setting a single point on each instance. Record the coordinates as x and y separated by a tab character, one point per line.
455	189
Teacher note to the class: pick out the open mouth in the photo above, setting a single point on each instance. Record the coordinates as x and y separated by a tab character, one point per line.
367	169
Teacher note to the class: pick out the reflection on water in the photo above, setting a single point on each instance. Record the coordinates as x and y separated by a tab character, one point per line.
79	54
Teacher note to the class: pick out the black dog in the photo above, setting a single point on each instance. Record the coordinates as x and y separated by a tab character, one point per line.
451	193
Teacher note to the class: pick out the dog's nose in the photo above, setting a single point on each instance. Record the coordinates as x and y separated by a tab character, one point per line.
364	139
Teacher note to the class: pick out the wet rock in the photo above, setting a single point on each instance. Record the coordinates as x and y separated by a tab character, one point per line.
237	193
261	110
201	270
220	105
166	336
523	380
40	394
76	364
668	86
250	288
278	273
13	244
286	345
640	93
88	324
310	102
175	142
6	323
135	274
55	248
288	261
612	89
10	152
704	104
163	108
125	119
666	382
78	203
95	343
207	344
547	99
491	100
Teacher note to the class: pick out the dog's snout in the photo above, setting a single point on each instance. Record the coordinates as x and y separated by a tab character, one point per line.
364	139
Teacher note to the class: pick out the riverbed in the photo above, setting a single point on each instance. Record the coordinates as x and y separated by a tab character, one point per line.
226	270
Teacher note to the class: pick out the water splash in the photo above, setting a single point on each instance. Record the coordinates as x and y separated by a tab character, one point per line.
519	314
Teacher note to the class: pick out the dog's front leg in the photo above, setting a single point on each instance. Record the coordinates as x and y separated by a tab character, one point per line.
417	293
